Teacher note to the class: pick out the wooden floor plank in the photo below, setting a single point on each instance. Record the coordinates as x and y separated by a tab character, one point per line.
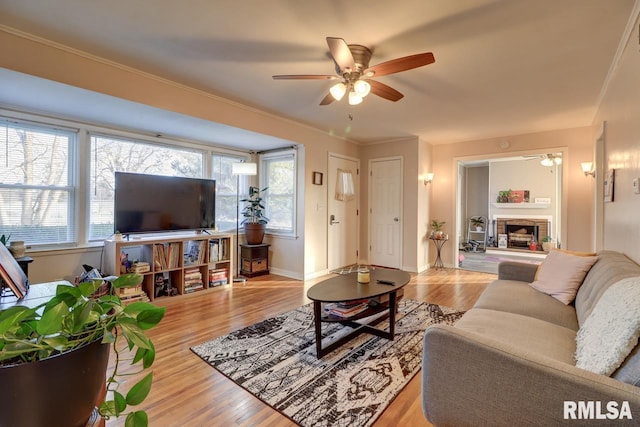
188	392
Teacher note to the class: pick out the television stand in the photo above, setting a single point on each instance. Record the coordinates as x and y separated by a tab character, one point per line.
179	264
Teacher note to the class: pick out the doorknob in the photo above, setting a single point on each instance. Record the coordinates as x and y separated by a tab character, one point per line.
332	220
396	219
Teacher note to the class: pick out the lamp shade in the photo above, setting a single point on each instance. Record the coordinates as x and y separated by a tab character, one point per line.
243	168
354	98
362	88
338	90
586	166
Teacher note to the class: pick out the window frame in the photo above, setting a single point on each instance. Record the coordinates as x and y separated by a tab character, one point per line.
73	221
264	182
245	181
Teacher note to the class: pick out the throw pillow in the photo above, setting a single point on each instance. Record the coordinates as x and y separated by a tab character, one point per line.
612	329
565	251
561	274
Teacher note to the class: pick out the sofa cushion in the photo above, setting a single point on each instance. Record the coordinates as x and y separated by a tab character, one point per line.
517	297
610	268
561	274
612	329
527	333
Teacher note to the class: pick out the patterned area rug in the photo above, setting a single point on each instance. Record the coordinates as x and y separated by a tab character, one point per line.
275	360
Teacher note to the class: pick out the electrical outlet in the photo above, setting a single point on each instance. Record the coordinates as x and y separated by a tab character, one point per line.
636	185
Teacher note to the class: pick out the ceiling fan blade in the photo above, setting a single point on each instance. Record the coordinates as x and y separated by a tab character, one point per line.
305	77
384	91
327	99
341	54
401	64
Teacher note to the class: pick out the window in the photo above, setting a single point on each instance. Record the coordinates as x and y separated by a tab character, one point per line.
278	173
37	188
226	190
110	154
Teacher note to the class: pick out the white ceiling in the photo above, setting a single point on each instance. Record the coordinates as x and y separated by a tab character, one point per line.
503	67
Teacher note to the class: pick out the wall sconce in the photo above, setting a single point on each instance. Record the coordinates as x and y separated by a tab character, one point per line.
428	178
587	168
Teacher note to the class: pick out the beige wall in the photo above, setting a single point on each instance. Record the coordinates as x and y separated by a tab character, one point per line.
619	108
577	145
296	257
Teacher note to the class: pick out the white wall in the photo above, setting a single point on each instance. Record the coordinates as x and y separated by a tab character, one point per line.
619	109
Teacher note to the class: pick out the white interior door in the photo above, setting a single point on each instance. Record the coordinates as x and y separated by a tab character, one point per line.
342	239
385	213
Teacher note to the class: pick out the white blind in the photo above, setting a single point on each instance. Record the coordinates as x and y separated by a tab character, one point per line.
37	186
279	175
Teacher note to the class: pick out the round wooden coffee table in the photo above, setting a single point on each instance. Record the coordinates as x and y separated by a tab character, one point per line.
345	288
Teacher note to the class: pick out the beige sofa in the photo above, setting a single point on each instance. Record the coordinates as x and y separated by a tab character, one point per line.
510	359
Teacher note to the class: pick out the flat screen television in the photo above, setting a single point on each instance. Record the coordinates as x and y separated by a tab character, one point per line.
154	203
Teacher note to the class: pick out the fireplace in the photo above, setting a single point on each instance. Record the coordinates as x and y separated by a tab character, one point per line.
521	231
520	236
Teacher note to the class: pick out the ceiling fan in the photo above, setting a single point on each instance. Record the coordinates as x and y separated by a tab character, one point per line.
355	75
547	159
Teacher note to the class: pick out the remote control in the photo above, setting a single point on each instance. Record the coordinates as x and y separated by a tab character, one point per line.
386	282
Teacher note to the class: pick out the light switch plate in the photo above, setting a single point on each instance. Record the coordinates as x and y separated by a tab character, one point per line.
636	185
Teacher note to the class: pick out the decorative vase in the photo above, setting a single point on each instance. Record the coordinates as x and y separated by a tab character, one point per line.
17	248
254	233
31	393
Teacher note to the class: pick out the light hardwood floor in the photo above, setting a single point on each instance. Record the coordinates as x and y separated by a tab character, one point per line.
188	392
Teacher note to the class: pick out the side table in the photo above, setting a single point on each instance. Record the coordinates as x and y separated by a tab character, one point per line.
254	260
439	243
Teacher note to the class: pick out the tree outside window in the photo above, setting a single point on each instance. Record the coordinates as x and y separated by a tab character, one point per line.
110	155
36	183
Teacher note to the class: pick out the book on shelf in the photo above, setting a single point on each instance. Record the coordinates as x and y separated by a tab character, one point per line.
193	287
160	259
218	282
219	250
192	275
140	267
194	252
173	256
334	309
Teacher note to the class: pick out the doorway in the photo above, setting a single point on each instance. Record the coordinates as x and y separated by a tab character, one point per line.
342	207
536	182
385	201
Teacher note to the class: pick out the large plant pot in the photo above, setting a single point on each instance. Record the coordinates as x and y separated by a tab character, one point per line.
254	233
59	391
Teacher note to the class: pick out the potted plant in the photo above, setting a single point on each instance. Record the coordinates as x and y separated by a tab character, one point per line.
503	196
548	243
436	229
477	222
54	356
255	222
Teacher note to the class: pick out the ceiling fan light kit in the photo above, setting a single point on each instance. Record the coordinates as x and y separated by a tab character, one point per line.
352	66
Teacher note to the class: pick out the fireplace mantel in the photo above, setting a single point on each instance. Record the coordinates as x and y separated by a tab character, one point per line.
521	205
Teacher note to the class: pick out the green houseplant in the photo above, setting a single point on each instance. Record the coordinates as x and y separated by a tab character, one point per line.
547	243
436	229
504	196
254	218
42	347
477	222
